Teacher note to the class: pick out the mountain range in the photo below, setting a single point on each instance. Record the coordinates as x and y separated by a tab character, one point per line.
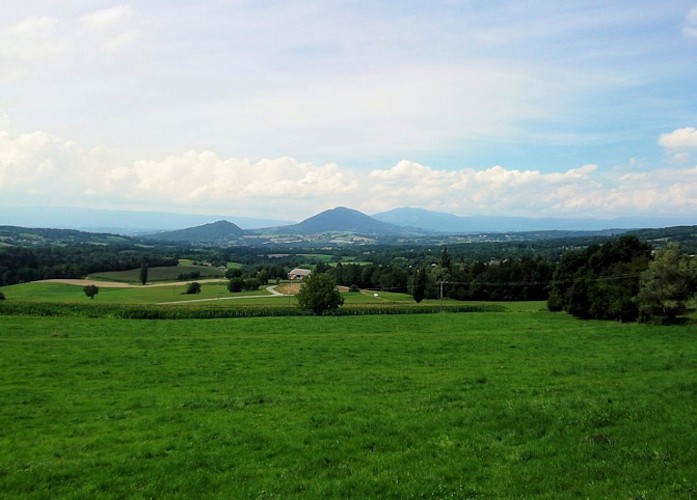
397	222
449	223
126	222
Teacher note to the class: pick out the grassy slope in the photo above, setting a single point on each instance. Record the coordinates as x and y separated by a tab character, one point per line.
491	405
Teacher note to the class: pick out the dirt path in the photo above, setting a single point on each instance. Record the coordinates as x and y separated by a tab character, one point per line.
271	289
116	284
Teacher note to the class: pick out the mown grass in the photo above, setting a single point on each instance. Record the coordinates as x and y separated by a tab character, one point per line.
526	404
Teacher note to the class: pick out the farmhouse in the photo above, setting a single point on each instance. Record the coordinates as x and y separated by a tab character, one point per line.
298	274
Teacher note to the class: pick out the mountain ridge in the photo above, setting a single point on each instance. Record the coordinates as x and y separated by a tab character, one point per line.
453	224
126	222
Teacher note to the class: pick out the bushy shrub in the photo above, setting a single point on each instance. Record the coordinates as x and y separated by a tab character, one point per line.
91	290
235	285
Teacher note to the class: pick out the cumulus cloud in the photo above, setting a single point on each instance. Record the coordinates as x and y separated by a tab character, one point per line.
492	190
42	168
681	138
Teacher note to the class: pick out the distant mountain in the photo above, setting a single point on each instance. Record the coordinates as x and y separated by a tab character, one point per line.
422	218
24	236
221	231
129	222
341	219
449	223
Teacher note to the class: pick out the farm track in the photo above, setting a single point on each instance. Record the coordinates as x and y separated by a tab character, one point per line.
271	289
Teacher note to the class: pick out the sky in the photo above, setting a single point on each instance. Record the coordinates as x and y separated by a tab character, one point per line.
284	109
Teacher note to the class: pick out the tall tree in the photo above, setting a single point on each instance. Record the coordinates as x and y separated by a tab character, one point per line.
319	294
445	260
419	285
667	284
143	272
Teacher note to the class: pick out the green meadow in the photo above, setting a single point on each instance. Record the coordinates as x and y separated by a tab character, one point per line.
211	291
523	403
39	291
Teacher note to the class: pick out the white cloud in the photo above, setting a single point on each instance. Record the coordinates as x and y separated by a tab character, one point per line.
121	40
105	18
34	41
690	27
40	168
26	42
681	138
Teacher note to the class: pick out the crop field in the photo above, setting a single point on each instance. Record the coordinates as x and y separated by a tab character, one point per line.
162	273
508	404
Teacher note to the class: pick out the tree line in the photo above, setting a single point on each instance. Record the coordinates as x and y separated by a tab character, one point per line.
524	278
22	264
623	280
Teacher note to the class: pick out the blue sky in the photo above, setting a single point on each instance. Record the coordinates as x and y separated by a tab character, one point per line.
536	108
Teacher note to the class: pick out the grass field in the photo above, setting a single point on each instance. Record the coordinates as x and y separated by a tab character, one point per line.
162	273
64	293
39	291
524	404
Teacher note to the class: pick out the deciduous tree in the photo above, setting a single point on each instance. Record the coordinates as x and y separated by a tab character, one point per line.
143	272
91	290
319	294
667	284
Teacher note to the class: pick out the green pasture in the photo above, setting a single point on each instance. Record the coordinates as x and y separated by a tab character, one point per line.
39	291
486	405
162	273
58	292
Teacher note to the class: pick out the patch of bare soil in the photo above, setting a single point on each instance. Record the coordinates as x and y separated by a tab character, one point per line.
288	288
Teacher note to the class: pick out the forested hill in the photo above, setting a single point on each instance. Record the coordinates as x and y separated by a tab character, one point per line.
342	219
686	236
25	236
220	232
